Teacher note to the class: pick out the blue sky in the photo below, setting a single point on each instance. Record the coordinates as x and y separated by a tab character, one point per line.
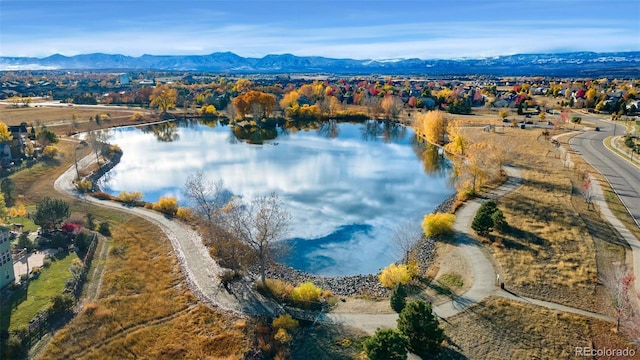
342	29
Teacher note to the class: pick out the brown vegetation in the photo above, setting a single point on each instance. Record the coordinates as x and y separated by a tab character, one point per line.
145	309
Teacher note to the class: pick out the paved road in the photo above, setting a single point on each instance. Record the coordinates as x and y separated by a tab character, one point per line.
623	176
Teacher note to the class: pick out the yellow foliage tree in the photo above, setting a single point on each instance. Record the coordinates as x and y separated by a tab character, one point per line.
282	336
394	274
137	116
306	291
432	125
184	213
208	110
50	151
164	98
457	142
289	99
438	224
18	211
5	134
167	205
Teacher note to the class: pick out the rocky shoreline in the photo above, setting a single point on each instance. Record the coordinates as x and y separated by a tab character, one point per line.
360	285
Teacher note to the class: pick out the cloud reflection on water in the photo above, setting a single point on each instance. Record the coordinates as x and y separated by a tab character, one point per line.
346	195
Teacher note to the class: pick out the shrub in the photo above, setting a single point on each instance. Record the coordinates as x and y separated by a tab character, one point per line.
167	205
25	242
394	274
184	213
84	186
101	195
306	292
465	194
386	344
278	288
398	298
285	322
61	303
130	197
137	116
282	336
82	241
50	151
438	224
418	323
104	228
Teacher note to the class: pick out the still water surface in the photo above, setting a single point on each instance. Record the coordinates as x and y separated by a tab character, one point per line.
347	186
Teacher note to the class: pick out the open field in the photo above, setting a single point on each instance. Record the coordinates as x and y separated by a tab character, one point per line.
548	254
502	329
60	119
144	308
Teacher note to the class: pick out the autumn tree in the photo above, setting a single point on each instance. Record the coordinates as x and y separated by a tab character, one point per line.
289	100
5	134
503	113
259	104
457	142
258	224
8	188
164	98
432	125
392	106
482	163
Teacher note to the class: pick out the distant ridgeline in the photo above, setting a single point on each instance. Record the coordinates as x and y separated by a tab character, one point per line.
587	64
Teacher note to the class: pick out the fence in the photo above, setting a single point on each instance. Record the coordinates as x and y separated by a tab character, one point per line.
48	319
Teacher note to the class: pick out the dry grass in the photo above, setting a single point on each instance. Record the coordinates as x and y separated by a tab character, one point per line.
549	254
144	308
503	329
60	118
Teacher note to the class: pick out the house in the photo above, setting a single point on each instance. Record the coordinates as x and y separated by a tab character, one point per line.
7	275
20	138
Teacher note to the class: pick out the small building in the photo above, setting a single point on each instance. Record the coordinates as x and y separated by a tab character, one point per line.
7	275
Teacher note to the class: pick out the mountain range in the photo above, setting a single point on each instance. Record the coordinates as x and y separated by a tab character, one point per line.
621	64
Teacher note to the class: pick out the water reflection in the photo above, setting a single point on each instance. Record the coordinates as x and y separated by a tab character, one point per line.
346	195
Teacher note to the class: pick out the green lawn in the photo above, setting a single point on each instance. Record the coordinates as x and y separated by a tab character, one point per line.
27	223
24	304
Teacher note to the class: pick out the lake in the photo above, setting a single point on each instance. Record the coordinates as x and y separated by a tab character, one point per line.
347	186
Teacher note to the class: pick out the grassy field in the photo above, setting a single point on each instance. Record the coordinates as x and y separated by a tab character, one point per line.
25	303
549	254
144	309
503	329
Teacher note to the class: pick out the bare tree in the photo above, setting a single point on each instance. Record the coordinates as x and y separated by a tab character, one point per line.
405	237
205	196
619	283
258	224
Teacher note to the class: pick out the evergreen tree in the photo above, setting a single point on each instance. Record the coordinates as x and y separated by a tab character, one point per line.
386	344
418	323
483	223
499	221
398	298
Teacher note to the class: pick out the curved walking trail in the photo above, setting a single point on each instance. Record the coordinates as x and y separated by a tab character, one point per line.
201	271
483	274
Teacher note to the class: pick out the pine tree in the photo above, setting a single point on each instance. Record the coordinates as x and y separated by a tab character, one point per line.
386	344
482	222
418	323
398	298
